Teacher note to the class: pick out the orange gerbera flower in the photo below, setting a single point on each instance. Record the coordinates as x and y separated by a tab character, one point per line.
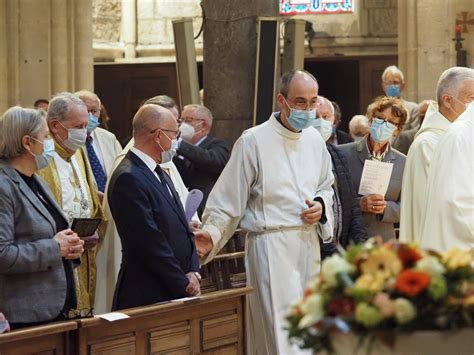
412	282
408	255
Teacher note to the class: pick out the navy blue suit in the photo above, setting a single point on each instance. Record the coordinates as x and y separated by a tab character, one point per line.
157	245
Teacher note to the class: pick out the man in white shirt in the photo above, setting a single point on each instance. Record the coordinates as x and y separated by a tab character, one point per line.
277	187
455	88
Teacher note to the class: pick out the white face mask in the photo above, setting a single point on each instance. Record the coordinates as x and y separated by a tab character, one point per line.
187	131
168	155
76	138
324	128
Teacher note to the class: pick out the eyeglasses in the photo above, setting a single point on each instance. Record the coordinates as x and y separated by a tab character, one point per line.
80	313
176	133
389	124
303	104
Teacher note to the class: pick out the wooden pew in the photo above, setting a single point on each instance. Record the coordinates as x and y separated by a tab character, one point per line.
46	339
227	269
212	324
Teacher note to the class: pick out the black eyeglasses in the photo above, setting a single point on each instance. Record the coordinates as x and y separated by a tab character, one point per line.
80	313
387	123
177	133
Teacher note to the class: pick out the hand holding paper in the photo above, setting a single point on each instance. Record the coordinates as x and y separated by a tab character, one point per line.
375	177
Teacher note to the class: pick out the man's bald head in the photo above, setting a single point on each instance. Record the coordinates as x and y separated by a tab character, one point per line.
423	107
150	117
91	100
325	109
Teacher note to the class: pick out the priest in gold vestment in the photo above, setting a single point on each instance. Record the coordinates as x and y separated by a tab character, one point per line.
72	182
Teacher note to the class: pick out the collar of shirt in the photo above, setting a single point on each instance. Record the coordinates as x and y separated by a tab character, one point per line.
200	141
380	155
149	161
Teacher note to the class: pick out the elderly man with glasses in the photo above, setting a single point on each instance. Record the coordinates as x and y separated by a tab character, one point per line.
159	260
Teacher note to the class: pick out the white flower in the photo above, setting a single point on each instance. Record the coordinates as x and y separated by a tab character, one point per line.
431	265
331	266
404	310
313	311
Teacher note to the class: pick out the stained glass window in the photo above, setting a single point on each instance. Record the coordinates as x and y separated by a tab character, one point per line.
307	7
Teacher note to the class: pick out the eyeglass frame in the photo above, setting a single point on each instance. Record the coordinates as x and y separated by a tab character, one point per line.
308	105
387	122
79	313
177	132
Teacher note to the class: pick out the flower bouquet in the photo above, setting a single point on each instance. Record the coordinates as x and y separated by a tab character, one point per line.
383	291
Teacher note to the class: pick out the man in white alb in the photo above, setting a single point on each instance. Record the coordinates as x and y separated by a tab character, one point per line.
277	187
449	217
455	88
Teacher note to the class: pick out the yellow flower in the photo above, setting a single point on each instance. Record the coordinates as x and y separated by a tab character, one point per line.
374	282
382	260
457	258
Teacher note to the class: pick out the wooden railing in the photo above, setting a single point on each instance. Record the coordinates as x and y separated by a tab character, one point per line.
211	324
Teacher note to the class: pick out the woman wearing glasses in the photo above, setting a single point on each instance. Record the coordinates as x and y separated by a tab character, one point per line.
36	244
386	115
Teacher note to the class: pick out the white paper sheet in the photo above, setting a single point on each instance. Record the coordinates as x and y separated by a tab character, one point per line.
375	177
113	316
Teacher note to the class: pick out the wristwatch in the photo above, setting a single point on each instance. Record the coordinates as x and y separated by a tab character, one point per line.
198	275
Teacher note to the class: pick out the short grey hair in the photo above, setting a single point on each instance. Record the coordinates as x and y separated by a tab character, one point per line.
60	104
201	111
161	100
82	94
451	81
286	78
392	69
358	122
15	123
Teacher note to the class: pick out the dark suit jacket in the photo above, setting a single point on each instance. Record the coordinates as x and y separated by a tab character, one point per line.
356	154
200	166
157	245
33	282
404	140
353	227
343	137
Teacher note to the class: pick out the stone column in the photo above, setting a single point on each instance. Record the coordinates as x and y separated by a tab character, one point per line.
129	27
3	58
46	47
230	43
425	46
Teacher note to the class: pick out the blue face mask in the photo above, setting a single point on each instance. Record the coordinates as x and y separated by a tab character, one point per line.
43	160
381	131
92	123
393	90
301	119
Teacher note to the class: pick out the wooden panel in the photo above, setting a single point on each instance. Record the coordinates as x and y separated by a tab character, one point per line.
219	331
171	339
123	88
227	350
370	72
122	345
46	339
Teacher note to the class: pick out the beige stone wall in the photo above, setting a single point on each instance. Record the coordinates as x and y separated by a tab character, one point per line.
45	48
426	49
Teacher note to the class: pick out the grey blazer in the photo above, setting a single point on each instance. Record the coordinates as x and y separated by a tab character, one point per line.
32	275
356	154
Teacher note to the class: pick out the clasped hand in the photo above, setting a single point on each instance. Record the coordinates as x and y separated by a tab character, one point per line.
313	213
70	245
373	203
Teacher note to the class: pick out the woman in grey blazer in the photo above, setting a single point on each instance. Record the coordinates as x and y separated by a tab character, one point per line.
36	245
386	115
